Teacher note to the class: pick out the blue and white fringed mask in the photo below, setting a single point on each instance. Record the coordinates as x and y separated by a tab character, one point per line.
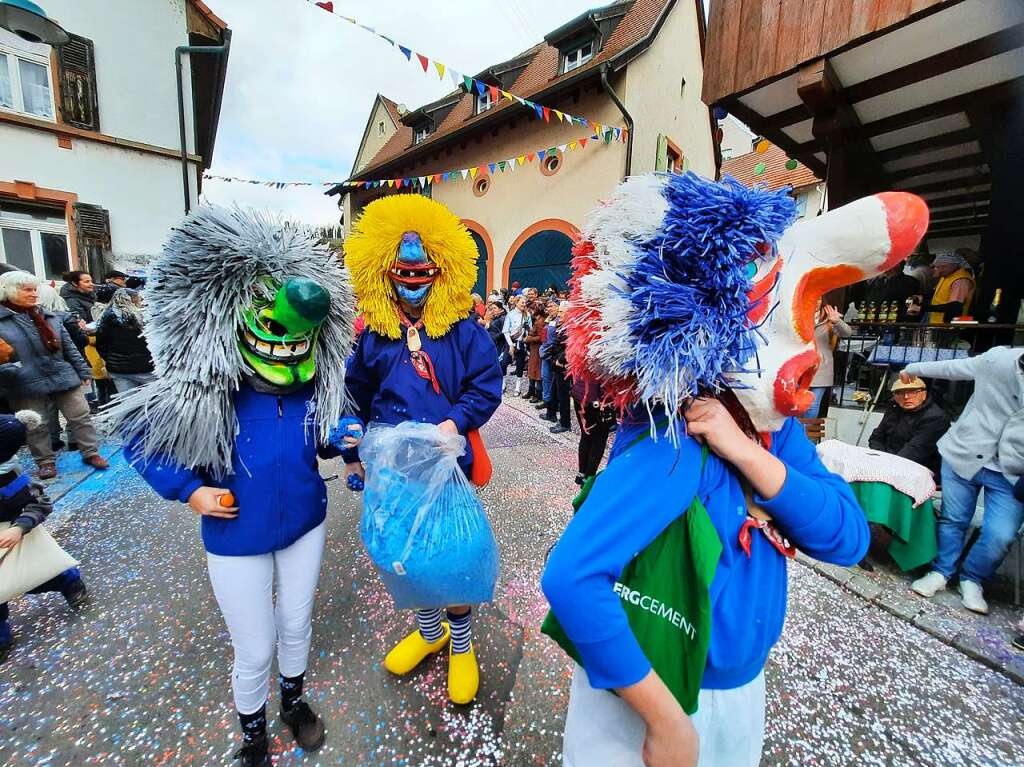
683	286
413	272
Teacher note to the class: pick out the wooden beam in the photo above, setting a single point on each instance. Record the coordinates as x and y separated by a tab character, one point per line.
965	211
953	105
961	199
942	141
953	163
941	63
758	124
964	182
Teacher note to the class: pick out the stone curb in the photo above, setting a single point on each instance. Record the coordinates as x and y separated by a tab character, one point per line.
911	611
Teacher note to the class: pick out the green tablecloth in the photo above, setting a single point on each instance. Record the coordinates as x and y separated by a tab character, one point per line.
913	543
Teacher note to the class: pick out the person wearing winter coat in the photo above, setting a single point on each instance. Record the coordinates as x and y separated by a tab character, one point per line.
79	293
39	364
983	449
912	425
534	337
558	405
120	342
23	506
50	300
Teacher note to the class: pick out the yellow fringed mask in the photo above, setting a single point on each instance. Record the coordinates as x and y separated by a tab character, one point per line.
373	249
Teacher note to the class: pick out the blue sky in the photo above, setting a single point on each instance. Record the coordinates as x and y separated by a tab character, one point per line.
301	82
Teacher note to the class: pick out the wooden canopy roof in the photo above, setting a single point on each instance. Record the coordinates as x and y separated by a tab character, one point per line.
906	89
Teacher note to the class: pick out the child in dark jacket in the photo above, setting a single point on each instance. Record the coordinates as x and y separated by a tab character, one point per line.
24	505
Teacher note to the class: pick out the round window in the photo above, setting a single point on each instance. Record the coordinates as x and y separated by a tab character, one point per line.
481	185
551	164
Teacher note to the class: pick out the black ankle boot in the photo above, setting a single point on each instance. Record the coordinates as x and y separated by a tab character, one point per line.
254	754
307	728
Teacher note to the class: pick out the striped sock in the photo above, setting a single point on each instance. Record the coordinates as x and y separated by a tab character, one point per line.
429	622
462	631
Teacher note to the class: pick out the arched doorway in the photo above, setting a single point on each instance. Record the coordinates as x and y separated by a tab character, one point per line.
481	264
542	256
483	255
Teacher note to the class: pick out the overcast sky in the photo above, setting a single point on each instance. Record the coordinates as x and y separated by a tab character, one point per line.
301	82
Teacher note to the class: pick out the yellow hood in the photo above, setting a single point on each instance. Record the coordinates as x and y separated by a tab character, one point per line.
371	248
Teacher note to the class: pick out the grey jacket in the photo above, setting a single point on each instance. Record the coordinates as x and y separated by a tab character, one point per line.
991	428
35	370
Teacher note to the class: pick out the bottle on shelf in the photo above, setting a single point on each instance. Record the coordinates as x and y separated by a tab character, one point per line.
871	313
893	312
993	309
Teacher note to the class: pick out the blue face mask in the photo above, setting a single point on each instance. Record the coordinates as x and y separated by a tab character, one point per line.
413	273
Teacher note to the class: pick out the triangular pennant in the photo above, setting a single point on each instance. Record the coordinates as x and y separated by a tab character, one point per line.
440	69
529	157
468	83
465	173
618	133
507	95
368	29
456	77
391	183
501	165
479	87
597	128
473	172
561	148
572	146
540	154
491	166
437	178
482	170
560	115
424	61
521	159
510	164
547	114
494	90
538	109
583	143
383	37
406	51
423	180
522	101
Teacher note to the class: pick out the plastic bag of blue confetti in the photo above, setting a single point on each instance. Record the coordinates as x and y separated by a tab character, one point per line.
423	526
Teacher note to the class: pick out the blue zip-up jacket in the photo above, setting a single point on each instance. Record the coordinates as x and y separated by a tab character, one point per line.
276	482
645	487
387	389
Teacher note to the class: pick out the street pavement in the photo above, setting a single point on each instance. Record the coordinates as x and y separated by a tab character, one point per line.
141	676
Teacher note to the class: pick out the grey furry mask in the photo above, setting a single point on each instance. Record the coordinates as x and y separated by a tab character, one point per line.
214	266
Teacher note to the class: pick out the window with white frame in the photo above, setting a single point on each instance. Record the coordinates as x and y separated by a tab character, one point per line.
25	83
577	57
484	101
420	134
380	128
34	239
801	204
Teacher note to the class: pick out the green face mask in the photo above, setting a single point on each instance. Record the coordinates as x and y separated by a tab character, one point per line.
278	339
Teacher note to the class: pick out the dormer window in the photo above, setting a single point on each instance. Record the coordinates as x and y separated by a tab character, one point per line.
420	134
577	56
483	101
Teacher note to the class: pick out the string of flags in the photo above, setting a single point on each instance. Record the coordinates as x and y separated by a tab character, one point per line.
507	165
465	82
259	182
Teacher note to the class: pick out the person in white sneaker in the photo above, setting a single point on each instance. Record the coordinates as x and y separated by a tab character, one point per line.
983	449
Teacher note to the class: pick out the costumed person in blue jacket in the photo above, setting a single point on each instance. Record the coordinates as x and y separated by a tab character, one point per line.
23	507
693	306
423	357
249	321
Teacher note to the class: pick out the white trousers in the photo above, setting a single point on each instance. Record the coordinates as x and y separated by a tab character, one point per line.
602	729
244	587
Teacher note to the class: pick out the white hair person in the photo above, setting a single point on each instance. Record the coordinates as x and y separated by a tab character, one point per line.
11	281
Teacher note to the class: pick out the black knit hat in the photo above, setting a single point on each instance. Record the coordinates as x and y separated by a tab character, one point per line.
14	431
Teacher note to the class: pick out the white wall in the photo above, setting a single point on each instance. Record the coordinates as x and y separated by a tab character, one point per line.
134	42
736	138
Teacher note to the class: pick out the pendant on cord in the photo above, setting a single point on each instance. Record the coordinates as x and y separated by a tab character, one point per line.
421	361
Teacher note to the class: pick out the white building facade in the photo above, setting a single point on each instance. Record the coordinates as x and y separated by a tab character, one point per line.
91	171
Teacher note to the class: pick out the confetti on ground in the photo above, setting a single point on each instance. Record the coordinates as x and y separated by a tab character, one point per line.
141	675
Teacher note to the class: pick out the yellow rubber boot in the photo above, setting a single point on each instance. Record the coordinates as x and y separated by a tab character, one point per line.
463	676
411	651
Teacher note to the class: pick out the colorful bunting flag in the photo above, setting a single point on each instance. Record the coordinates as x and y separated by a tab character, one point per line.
440	69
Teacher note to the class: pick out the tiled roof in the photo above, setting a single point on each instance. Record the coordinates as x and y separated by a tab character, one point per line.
392	108
775	174
539	74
